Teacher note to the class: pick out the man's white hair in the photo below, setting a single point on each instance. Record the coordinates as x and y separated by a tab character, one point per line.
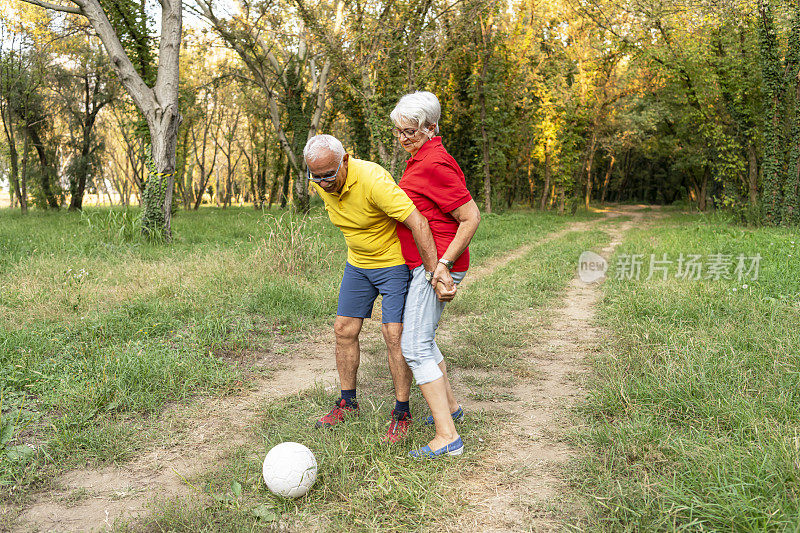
421	108
322	142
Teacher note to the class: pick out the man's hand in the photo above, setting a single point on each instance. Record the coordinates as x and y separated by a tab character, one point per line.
441	274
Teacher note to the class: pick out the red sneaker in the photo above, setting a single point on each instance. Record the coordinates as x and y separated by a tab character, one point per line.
398	426
338	414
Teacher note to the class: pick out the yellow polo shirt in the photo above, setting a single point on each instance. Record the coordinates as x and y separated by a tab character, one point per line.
367	211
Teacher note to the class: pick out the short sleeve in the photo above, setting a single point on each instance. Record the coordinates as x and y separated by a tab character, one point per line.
390	198
448	189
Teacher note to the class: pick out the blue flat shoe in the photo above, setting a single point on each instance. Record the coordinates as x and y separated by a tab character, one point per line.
454	448
458	416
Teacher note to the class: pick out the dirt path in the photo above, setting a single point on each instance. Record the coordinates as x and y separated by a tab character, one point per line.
91	499
521	488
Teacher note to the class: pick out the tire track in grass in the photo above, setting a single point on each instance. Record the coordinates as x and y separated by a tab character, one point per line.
519	485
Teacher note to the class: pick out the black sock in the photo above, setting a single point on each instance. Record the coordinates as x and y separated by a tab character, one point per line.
349	396
401	407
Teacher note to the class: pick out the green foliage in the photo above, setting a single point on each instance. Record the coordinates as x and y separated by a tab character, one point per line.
154	197
774	134
791	185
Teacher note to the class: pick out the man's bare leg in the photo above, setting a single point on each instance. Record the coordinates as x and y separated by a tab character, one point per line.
348	351
401	374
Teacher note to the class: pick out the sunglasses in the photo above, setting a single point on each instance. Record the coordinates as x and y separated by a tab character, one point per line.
327	177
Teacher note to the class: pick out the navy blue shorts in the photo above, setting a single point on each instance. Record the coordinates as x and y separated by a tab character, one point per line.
360	287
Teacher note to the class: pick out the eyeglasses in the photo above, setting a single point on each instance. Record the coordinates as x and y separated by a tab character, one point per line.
327	177
407	132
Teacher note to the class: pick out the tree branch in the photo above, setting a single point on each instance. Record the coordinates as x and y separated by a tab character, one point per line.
166	89
55	7
142	94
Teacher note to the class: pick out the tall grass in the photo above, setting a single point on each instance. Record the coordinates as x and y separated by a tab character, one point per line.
113	226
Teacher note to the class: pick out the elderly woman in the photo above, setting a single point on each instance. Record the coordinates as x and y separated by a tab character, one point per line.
436	185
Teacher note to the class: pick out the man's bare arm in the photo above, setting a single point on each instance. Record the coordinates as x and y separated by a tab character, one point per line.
423	237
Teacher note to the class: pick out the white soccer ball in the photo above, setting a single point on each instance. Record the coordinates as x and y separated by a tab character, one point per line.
290	469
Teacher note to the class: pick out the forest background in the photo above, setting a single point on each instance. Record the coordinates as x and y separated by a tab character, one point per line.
552	104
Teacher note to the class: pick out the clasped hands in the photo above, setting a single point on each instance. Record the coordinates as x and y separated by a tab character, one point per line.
443	283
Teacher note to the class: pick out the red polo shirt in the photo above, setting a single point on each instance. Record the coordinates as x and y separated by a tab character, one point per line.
435	183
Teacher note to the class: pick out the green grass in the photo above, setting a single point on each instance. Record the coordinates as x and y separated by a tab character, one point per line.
692	419
100	330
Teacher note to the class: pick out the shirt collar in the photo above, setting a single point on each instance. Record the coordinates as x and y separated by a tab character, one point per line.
426	148
352	178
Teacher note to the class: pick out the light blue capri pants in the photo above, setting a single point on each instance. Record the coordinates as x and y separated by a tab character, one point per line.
420	320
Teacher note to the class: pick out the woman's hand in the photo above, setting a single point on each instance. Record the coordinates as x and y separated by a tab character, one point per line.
443	293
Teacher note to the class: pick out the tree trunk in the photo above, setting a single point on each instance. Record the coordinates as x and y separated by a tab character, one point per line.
701	189
531	191
589	163
606	179
752	173
276	181
23	177
285	186
48	172
547	174
14	161
216	189
204	177
228	190
157	197
487	177
78	183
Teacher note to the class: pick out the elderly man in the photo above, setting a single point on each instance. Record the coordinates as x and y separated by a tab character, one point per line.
365	203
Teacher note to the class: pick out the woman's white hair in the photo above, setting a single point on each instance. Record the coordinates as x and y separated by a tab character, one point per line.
420	107
323	141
